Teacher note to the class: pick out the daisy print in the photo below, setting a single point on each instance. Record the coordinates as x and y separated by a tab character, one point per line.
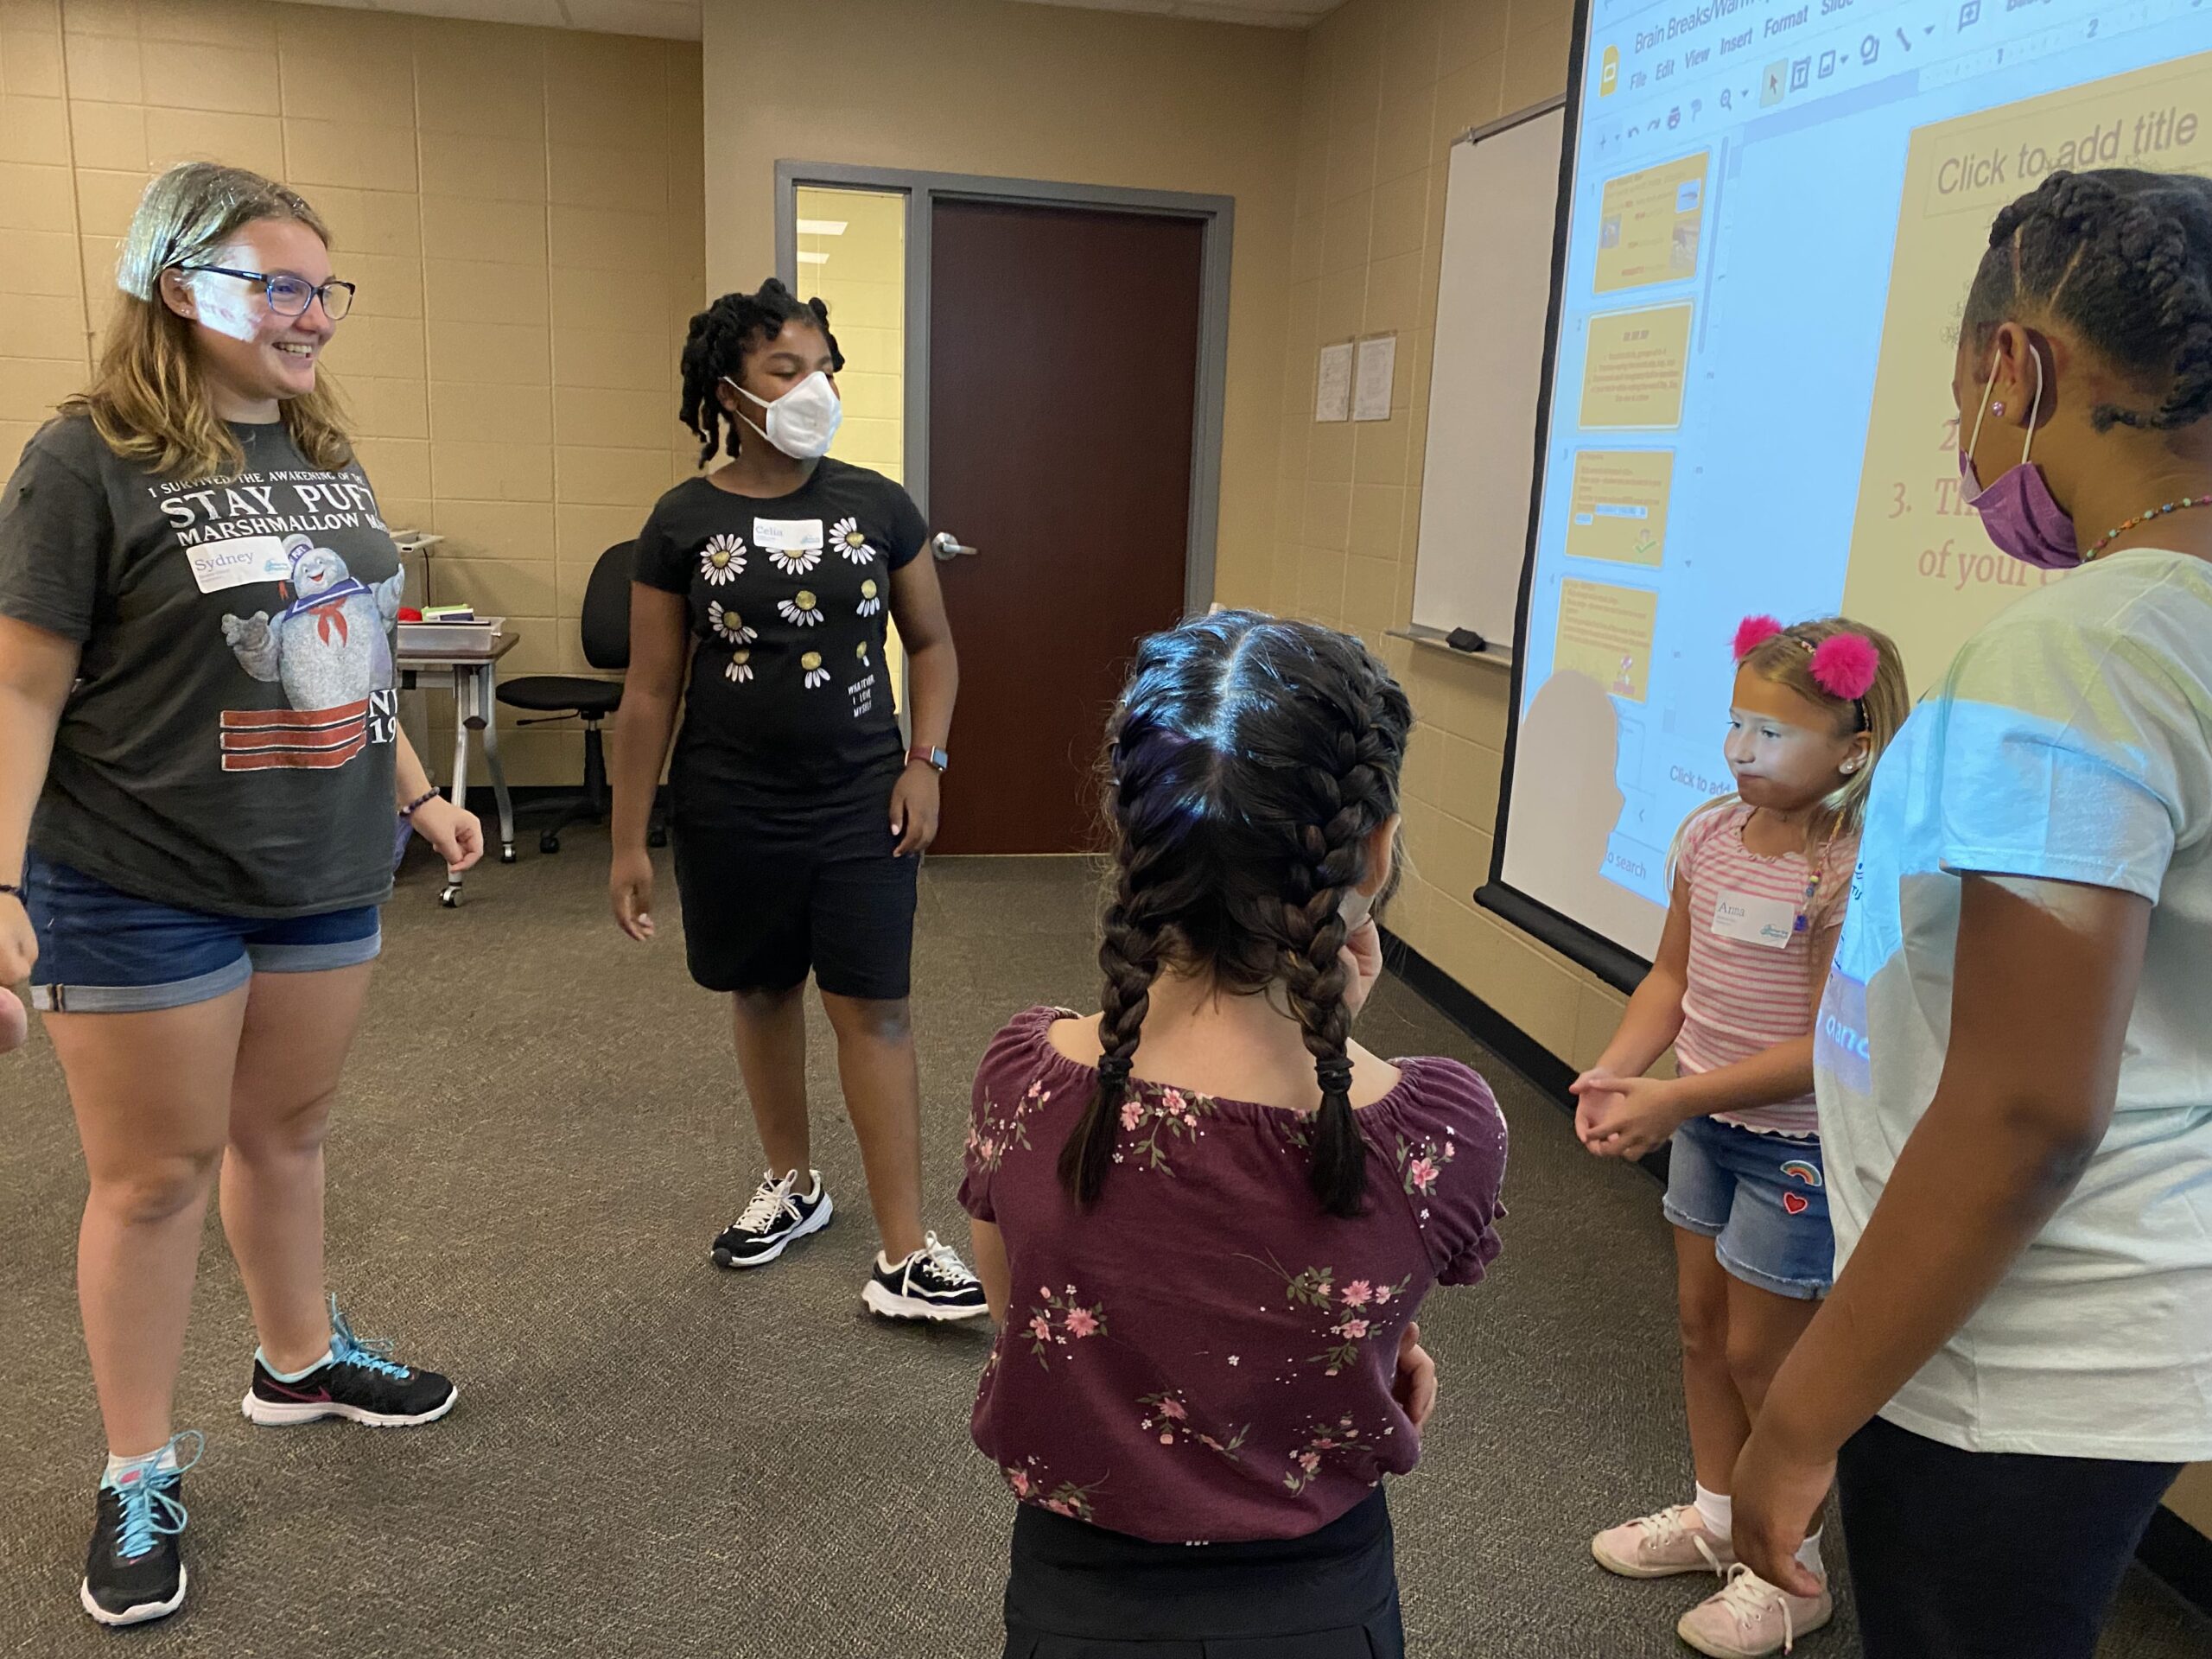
870	598
815	674
802	609
722	561
741	667
861	652
794	561
728	625
849	539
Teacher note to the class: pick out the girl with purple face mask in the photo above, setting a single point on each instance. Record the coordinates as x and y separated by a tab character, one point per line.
2012	1064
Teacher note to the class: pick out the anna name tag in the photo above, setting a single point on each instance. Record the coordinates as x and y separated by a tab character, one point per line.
1753	920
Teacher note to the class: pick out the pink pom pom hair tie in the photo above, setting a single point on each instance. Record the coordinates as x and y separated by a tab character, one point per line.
1844	665
1752	633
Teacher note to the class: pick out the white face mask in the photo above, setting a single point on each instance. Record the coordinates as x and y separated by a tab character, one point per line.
802	422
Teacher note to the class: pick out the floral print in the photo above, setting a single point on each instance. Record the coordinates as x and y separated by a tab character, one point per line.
1033	1486
1420	1163
1167	1417
1342	1437
810	667
741	667
722	560
848	539
988	1143
1255	1397
802	609
1354	1312
870	598
794	561
728	625
1060	1321
1153	1119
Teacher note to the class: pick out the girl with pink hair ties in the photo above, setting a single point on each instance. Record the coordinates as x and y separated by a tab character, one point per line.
1760	878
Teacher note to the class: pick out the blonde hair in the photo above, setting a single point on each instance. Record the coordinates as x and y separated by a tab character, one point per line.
1785	658
147	399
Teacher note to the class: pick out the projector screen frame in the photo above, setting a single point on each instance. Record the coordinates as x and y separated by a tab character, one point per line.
1618	967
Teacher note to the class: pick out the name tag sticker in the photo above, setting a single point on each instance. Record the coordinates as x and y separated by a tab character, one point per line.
1752	920
239	562
787	535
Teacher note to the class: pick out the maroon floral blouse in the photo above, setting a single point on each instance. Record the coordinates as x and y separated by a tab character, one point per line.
1205	1355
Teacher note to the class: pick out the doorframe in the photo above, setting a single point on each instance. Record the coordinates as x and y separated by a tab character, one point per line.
923	190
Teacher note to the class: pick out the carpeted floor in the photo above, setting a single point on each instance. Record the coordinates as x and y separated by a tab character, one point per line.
542	1129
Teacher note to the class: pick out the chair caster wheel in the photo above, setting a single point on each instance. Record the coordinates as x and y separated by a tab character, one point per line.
450	898
507	854
549	842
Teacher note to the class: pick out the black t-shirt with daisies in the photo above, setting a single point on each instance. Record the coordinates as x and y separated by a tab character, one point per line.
788	598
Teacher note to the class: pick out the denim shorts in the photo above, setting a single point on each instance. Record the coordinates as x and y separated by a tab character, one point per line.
1763	1199
102	951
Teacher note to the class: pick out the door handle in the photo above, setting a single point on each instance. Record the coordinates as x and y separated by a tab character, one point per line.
947	547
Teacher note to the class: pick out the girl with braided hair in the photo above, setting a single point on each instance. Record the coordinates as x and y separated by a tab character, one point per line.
760	601
1229	1210
2013	1060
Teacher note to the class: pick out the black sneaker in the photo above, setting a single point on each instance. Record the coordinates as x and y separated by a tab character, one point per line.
134	1570
360	1381
933	1283
778	1213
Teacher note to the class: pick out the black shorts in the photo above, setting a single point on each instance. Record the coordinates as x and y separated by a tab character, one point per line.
1078	1591
787	889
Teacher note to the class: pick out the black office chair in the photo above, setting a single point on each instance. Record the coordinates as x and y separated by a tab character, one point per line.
605	626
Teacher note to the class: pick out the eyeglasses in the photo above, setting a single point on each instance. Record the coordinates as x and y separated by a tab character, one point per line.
290	297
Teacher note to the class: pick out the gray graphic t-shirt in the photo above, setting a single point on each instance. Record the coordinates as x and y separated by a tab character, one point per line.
228	745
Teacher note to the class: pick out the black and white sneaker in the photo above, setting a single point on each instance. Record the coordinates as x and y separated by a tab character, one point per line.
360	1381
778	1213
933	1283
134	1570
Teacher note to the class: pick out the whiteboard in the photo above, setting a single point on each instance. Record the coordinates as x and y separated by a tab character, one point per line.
1501	204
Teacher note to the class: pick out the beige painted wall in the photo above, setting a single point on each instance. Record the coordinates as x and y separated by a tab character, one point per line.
523	209
987	86
1389	85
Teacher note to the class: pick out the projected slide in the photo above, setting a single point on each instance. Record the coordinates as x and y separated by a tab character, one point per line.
1777	208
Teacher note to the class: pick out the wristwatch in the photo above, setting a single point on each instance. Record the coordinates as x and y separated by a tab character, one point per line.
934	759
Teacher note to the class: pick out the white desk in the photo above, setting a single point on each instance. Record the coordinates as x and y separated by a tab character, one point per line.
473	676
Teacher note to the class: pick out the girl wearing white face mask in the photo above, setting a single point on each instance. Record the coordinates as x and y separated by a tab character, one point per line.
762	593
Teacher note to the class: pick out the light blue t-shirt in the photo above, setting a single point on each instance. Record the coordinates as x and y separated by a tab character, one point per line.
2071	741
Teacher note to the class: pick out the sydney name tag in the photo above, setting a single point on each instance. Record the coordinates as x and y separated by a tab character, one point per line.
1753	920
239	562
787	535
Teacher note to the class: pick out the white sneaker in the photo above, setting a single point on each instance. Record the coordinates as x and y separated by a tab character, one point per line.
933	1283
1750	1617
1659	1546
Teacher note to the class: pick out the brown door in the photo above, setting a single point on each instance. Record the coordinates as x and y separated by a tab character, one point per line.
1064	351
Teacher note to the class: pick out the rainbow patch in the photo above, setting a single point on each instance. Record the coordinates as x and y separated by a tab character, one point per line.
1808	1173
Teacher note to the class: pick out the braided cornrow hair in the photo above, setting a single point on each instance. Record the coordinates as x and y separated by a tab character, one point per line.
716	344
1250	760
2125	258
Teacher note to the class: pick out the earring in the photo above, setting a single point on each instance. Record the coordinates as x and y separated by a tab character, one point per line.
1848	767
1998	409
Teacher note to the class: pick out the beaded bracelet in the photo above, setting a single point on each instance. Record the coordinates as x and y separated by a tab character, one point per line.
424	800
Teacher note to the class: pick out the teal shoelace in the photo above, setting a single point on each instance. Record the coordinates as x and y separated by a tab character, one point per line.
150	1508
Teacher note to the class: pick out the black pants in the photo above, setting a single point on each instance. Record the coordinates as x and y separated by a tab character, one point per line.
1962	1554
1079	1591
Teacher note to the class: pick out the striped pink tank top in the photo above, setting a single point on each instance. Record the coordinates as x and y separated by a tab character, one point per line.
1751	967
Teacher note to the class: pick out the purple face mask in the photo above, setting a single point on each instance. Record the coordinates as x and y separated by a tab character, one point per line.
2017	511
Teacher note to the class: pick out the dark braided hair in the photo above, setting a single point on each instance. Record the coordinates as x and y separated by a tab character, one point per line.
719	338
1251	758
2125	258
